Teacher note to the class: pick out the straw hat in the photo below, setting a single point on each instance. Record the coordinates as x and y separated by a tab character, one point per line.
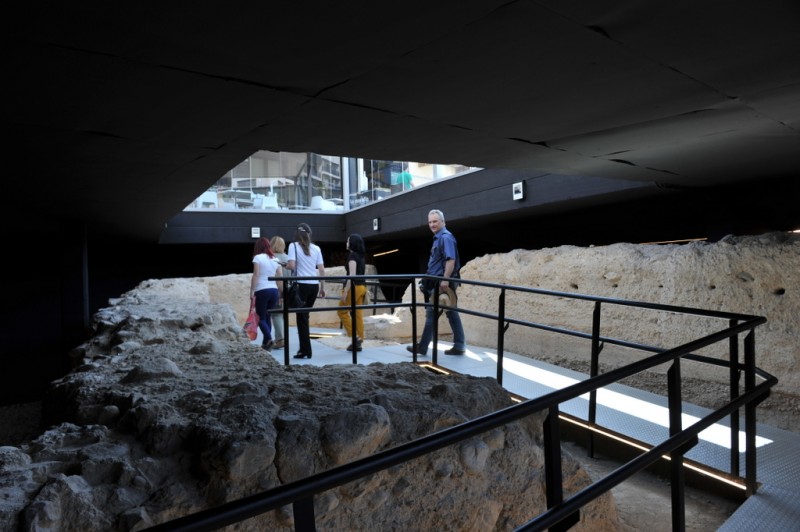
448	298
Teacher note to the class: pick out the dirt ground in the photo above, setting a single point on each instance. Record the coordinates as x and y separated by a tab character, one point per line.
644	500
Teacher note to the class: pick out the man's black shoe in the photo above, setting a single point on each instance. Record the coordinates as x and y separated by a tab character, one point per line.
410	349
454	351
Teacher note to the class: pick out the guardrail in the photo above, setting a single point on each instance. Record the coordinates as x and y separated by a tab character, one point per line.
561	513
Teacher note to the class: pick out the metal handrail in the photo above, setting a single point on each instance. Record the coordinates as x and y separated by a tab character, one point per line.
561	513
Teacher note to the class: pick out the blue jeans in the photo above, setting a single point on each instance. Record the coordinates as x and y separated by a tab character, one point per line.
266	300
459	341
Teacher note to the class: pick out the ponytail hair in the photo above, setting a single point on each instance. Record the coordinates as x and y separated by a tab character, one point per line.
303	236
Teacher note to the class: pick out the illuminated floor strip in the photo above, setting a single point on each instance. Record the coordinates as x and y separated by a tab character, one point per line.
659	415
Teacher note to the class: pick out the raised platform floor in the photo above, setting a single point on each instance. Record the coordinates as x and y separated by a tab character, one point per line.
639	414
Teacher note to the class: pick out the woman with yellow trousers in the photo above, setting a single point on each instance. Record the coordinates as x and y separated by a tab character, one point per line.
354	265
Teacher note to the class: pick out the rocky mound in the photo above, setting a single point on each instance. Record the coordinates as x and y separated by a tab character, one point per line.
172	410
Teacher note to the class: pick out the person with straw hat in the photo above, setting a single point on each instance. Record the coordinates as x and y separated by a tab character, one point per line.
443	262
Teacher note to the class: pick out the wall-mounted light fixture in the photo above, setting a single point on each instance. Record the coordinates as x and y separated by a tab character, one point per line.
255	232
376	224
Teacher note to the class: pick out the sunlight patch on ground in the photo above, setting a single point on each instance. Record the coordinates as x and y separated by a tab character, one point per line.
717	434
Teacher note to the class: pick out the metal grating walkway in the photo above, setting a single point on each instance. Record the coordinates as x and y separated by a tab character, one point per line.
637	413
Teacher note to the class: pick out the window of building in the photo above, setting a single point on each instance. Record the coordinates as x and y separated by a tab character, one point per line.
308	181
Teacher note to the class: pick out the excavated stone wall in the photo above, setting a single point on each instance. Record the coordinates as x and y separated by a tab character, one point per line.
172	410
749	275
754	275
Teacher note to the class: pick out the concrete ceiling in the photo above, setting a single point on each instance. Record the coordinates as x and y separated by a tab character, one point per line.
121	114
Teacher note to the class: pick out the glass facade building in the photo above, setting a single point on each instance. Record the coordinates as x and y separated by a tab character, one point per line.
308	181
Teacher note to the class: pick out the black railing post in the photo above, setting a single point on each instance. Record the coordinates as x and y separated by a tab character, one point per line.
414	345
353	331
676	457
554	490
435	330
501	318
285	311
552	459
750	413
594	369
304	520
373	294
733	379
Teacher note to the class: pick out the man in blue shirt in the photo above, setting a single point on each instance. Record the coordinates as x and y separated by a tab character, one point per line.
443	262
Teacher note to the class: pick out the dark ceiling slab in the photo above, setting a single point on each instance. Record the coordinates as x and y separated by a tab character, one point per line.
121	114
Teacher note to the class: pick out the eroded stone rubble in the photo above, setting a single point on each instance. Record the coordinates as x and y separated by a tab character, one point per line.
172	410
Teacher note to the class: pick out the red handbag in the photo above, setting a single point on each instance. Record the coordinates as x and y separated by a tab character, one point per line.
251	324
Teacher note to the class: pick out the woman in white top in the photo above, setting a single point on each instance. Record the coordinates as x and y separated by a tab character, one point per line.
266	292
305	259
279	249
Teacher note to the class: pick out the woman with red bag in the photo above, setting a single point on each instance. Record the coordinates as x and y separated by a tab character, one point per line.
266	292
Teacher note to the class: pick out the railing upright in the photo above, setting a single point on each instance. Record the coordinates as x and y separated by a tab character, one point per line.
353	331
750	412
677	475
501	319
733	376
435	328
304	518
554	481
413	310
286	314
594	369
